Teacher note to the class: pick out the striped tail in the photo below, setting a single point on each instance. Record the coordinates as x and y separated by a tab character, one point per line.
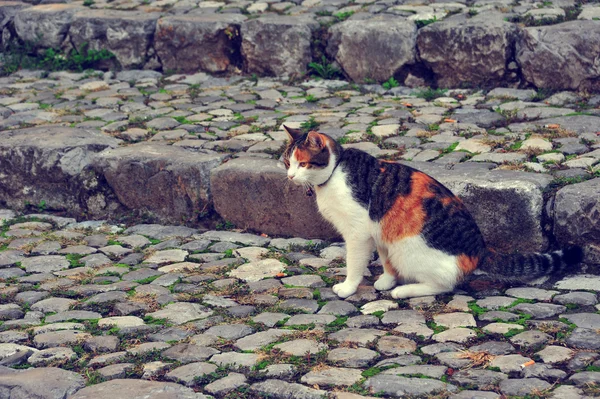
531	265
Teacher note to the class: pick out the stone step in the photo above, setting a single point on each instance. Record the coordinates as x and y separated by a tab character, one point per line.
255	194
49	166
454	51
167	182
83	172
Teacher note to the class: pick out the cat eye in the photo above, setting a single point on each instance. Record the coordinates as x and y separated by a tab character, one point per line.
303	164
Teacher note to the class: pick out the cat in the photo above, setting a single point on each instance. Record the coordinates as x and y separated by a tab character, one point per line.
423	233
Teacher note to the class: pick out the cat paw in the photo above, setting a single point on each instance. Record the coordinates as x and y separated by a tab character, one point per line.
400	293
385	282
344	290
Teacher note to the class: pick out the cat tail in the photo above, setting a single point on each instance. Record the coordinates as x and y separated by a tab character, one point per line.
531	265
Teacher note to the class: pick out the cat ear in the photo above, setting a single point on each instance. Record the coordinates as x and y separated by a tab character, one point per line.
315	140
294	134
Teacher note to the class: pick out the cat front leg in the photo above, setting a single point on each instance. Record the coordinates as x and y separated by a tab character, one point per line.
358	255
387	280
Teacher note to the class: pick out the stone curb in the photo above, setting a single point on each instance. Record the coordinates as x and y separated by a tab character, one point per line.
81	172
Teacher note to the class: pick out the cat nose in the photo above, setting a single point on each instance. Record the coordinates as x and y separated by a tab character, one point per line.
290	177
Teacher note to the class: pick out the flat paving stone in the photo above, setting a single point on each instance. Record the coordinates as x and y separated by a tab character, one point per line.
306	319
531	293
358	336
301	347
495	302
188	353
256	271
453	320
577	298
522	387
230	331
509	363
585	377
43	381
397	386
531	338
540	310
378	306
263	338
51	356
226	384
279	389
555	354
135	389
478	378
584	338
349	357
236	360
45	264
332	377
187	374
584	320
502	328
458	334
426	370
182	312
391	345
310	281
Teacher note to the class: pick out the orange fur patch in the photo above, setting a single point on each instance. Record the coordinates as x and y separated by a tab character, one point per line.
407	216
326	140
447	201
467	263
302	155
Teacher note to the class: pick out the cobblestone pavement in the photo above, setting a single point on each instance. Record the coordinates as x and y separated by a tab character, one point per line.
99	311
172	310
506	128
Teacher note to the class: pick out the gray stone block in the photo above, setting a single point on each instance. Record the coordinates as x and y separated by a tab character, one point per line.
51	164
169	182
190	43
45	25
462	50
561	56
279	46
376	48
126	34
254	194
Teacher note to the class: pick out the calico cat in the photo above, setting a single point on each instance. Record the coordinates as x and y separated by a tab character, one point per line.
424	234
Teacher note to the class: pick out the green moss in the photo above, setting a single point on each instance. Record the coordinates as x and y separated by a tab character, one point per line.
435	327
476	309
431	94
512	332
390	84
379	314
74	260
147	280
450	148
28	56
156	322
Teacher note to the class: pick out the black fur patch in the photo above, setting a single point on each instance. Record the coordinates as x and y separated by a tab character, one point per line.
375	190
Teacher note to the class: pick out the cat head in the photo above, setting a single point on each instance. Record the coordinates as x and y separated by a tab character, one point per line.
310	158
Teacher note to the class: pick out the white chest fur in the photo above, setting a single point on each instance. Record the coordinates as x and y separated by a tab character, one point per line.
337	205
